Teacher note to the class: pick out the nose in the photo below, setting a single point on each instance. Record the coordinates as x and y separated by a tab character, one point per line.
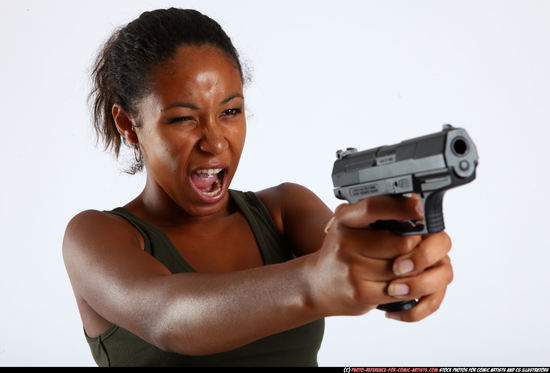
213	140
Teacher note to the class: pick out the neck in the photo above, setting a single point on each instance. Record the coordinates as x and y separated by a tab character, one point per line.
158	207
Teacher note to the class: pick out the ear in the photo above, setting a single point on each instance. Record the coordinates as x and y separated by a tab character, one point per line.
124	124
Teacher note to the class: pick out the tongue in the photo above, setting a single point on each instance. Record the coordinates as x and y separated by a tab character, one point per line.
204	181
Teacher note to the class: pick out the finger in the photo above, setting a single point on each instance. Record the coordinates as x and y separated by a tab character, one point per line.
425	307
378	244
369	210
375	292
372	293
427	282
428	252
367	269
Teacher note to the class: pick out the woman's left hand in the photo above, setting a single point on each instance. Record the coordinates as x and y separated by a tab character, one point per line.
426	267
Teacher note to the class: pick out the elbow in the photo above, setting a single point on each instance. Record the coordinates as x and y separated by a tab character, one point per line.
185	344
189	337
181	324
167	335
169	340
163	340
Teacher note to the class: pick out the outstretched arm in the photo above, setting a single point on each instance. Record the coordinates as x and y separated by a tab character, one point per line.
350	274
182	312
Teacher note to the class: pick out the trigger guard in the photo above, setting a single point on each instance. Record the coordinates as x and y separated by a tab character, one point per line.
398	227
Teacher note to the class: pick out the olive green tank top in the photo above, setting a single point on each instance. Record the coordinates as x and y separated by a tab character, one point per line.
294	347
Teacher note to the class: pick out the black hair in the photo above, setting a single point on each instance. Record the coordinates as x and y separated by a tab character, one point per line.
122	69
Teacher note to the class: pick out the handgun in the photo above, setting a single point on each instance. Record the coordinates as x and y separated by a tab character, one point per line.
427	166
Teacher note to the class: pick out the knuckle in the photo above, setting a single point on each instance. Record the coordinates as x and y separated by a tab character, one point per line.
448	269
339	209
339	213
358	293
424	256
433	305
447	242
373	205
406	245
365	206
353	274
451	275
418	285
420	312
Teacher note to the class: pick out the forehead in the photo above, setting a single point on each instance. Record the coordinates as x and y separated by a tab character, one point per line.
194	71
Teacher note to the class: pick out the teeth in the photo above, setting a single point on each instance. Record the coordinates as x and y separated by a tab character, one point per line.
209	171
215	191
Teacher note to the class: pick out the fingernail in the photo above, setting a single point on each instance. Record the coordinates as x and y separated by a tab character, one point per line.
403	266
329	224
398	289
393	315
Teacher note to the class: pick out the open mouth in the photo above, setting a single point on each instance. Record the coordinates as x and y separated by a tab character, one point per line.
208	182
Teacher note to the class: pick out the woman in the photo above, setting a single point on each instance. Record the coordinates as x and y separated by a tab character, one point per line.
193	273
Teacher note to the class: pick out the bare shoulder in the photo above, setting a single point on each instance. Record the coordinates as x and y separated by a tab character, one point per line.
273	198
89	220
110	273
298	213
91	227
280	197
95	242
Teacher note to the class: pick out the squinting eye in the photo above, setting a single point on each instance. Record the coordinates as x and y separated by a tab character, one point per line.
232	112
180	119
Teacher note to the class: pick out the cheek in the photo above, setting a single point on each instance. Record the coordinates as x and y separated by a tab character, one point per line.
237	138
163	153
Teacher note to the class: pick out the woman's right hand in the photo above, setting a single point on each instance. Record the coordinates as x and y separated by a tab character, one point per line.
356	264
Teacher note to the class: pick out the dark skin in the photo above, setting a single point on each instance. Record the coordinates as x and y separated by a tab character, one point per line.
194	119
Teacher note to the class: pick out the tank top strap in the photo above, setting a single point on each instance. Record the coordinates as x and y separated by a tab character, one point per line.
157	243
273	245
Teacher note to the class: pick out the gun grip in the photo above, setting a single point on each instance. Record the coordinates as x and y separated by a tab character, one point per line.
433	218
433	212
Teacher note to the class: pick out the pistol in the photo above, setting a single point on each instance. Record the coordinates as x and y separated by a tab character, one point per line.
428	166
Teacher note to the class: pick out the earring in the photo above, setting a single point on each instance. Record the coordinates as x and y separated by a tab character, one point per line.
138	156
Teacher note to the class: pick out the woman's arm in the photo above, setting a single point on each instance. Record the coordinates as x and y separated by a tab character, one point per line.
198	313
189	313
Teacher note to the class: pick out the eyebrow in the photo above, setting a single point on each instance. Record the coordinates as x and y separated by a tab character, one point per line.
231	97
195	107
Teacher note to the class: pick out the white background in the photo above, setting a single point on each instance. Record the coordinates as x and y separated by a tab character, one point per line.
325	75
